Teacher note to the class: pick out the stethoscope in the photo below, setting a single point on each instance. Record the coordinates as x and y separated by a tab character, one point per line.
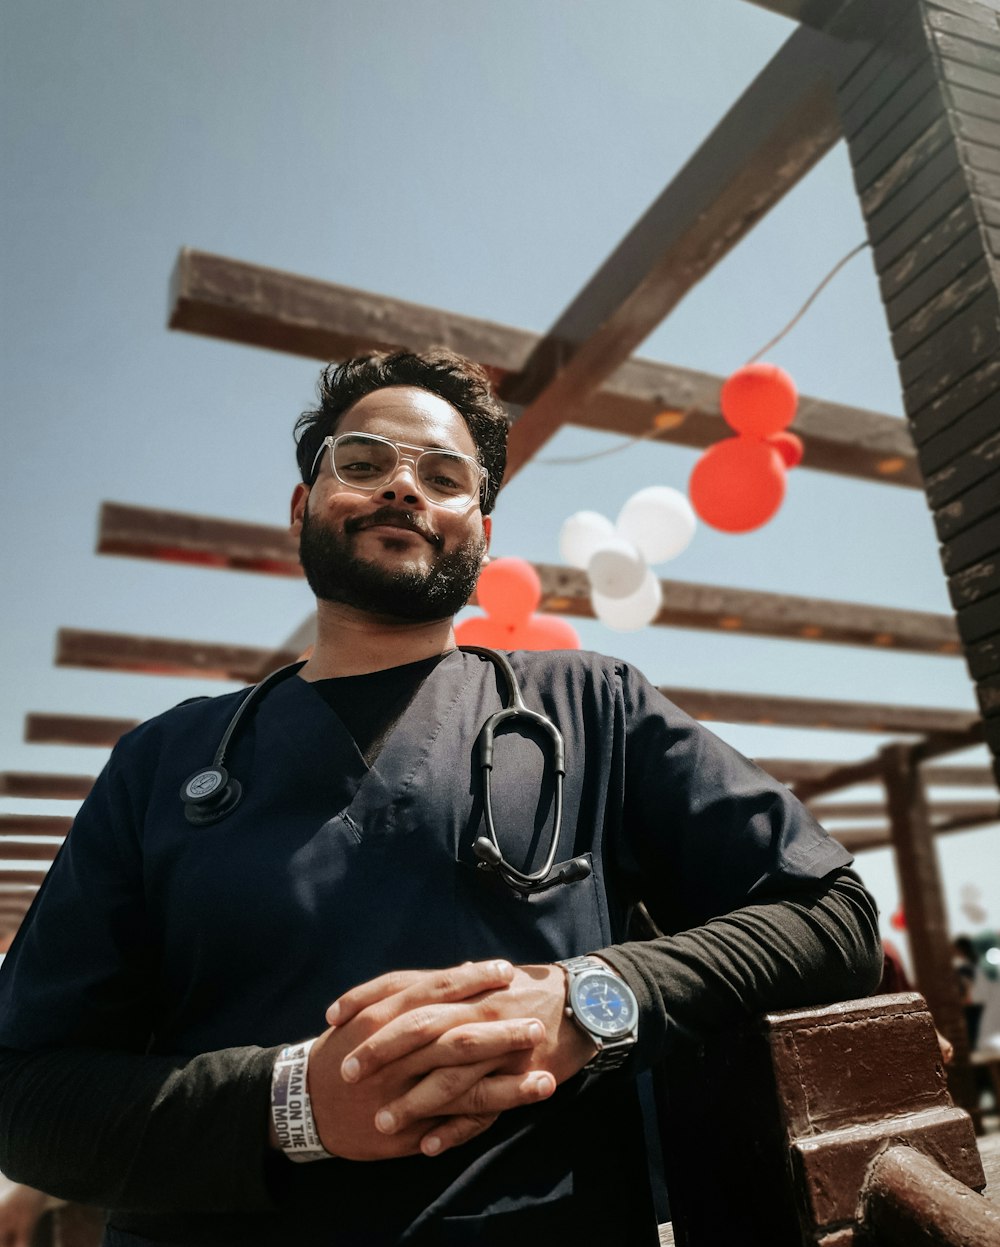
211	793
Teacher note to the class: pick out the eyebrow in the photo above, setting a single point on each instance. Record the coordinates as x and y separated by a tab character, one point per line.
449	450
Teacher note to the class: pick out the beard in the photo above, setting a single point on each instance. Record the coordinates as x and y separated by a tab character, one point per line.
335	573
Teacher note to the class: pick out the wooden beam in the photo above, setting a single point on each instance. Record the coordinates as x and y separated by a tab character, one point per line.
840	716
151	533
45	787
258	306
18	880
924	906
108	651
159	656
979	811
795	770
784	122
20	850
75	729
34	824
809	12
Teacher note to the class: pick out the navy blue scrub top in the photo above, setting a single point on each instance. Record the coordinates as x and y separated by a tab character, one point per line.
150	934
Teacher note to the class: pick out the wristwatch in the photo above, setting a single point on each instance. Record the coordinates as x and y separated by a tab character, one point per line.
604	1007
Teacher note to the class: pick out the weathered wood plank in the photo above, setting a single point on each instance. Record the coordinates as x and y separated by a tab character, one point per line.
149	532
248	303
961	474
832	811
964	52
969	508
34	824
988	694
873	126
975	583
923	896
960	345
46	787
976	103
75	729
115	652
980	620
800	770
25	851
910	339
781	125
930	249
767	710
978	32
921	175
944	199
983	657
887	168
953	259
957	419
986	80
106	651
18	879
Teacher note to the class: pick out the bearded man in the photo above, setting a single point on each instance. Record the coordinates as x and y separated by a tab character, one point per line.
365	982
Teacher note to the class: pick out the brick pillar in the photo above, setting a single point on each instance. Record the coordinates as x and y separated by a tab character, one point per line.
921	115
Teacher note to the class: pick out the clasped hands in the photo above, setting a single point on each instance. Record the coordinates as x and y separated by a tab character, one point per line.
418	1061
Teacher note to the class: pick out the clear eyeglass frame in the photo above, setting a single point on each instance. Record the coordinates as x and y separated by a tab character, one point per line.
331	442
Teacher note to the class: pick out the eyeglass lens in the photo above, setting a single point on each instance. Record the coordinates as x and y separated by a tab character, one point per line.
369	462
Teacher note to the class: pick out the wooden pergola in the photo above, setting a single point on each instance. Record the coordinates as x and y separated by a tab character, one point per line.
913	86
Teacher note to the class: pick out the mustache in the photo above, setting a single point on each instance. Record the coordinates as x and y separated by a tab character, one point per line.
400	519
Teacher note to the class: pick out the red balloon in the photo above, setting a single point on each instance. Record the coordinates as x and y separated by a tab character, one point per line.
483	631
898	921
738	484
759	400
789	446
548	632
508	590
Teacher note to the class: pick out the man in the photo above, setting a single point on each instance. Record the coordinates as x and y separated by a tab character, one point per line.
344	856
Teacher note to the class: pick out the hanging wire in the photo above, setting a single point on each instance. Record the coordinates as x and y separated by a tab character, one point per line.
650	434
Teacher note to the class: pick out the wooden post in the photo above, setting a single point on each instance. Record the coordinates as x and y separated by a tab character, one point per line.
923	905
921	115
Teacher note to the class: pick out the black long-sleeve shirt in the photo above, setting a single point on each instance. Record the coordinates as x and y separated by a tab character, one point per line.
126	1105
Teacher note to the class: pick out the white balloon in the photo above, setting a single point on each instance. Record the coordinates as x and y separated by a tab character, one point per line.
583	534
631	613
617	569
659	520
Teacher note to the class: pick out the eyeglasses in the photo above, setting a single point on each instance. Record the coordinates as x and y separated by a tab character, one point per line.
366	461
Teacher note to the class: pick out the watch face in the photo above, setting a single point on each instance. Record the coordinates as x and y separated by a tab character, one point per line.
604	1004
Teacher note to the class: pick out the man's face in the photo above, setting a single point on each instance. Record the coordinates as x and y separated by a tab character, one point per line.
391	552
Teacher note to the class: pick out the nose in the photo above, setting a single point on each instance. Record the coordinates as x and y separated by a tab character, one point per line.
402	485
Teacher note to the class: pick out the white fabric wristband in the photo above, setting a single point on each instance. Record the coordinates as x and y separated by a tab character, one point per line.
291	1107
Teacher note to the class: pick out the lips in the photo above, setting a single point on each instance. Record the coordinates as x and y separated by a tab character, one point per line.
387	518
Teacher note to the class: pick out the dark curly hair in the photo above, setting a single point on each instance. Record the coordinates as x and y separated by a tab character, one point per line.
455	379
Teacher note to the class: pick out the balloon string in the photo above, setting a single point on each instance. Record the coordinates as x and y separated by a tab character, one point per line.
809	302
562	460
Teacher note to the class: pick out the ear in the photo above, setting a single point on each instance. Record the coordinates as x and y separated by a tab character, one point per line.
487	533
300	496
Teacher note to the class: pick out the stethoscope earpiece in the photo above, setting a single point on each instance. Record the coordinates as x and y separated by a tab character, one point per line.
209	795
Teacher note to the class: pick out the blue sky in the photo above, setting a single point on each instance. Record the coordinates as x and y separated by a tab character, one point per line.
476	156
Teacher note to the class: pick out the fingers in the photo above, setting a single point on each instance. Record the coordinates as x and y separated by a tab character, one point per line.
470	1097
446	1034
409	988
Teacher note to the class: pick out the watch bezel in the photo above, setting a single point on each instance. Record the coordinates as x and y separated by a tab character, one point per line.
576	986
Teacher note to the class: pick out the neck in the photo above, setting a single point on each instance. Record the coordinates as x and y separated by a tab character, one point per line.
352	642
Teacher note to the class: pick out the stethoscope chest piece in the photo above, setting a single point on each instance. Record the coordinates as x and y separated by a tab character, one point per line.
210	794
